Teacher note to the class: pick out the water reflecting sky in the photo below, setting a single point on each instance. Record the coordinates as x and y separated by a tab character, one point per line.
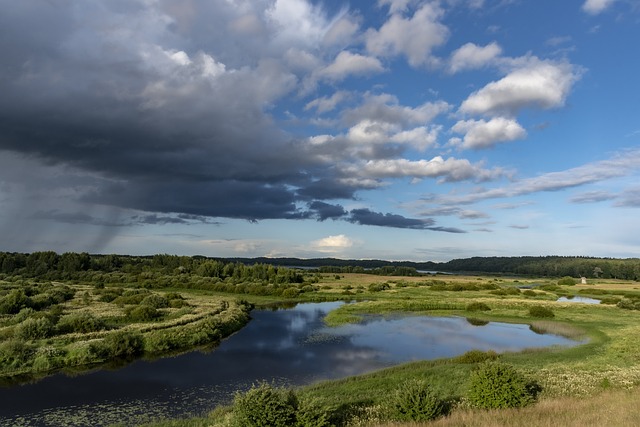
290	346
583	300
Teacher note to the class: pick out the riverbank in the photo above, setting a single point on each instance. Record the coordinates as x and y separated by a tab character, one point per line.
75	328
607	363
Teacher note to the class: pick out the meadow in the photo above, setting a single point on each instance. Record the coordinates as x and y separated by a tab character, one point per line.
576	383
77	323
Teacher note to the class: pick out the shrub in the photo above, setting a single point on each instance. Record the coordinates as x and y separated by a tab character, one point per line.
529	293
377	287
34	329
14	301
540	311
498	385
506	291
628	304
14	353
265	406
142	313
121	344
415	401
567	281
477	356
311	413
24	314
80	322
129	299
155	301
290	292
478	306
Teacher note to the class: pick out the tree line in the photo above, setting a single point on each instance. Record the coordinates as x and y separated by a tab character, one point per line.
52	266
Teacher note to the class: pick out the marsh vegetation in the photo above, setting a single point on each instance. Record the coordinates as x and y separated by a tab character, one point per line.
60	318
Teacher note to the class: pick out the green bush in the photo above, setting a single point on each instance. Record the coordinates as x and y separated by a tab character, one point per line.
478	306
541	312
628	304
23	315
265	406
142	313
155	301
120	344
311	413
477	356
14	353
498	385
82	322
14	301
567	281
34	329
290	293
415	401
377	287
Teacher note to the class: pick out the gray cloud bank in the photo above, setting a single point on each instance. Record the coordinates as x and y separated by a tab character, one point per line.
167	108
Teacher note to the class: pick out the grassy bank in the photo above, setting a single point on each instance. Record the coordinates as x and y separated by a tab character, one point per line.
119	318
609	408
49	326
600	371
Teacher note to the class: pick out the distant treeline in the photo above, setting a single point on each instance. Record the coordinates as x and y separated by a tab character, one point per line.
50	265
544	266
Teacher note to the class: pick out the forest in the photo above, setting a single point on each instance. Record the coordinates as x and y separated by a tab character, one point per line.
52	266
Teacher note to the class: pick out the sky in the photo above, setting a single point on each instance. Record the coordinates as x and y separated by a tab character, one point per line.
422	130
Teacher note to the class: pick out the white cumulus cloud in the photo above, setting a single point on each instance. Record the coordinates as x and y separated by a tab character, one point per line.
538	83
471	56
485	134
594	7
332	243
448	170
347	63
414	37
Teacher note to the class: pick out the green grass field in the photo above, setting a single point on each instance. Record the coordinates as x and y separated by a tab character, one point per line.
590	384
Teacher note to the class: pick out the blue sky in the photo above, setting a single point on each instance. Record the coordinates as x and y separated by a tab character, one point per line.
397	129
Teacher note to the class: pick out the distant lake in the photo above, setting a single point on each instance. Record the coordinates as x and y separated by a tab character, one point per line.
288	346
583	300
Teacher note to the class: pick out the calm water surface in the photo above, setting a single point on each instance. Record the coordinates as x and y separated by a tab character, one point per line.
291	347
583	300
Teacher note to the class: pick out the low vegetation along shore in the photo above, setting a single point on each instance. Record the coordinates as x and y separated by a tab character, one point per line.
93	316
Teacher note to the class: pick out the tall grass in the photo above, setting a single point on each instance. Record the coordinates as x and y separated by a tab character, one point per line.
611	408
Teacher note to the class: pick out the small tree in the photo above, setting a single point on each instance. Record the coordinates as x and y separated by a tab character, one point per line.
499	385
415	401
34	329
265	406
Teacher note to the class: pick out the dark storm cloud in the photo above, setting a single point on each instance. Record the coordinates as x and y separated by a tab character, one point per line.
369	217
171	219
111	88
327	189
167	108
323	211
